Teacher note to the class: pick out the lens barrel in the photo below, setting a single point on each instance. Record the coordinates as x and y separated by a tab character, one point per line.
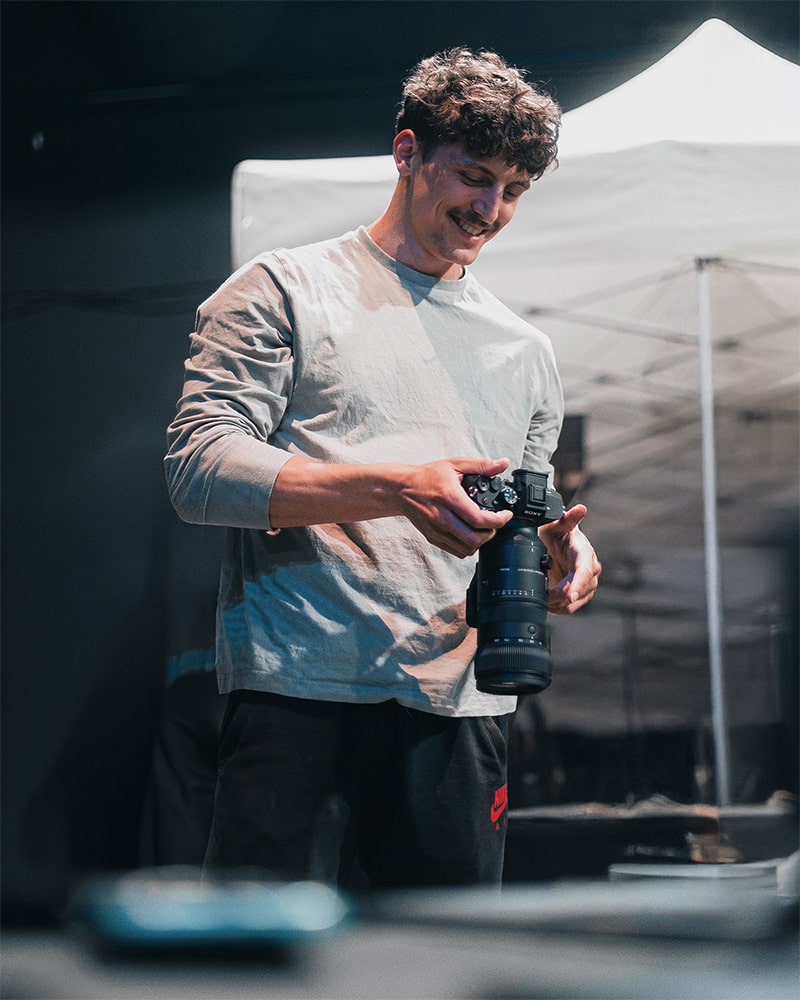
508	605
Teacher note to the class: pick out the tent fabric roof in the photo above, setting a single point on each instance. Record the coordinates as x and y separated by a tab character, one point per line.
716	87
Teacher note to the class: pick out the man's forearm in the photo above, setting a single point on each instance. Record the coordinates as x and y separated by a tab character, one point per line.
308	492
428	495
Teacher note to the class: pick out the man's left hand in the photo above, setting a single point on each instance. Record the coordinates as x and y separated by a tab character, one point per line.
576	569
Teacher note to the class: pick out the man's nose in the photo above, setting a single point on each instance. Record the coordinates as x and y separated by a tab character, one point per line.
487	204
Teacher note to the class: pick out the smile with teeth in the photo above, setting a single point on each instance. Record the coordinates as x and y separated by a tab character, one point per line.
471	229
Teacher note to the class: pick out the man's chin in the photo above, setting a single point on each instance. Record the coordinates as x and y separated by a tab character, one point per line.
466	257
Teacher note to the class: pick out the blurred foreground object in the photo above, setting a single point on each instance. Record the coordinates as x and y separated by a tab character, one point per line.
179	908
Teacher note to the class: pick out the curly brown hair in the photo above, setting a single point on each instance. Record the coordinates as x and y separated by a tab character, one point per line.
478	99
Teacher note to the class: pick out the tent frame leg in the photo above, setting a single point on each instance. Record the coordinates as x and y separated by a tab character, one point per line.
711	534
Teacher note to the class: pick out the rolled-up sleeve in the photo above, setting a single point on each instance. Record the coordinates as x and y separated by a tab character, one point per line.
220	464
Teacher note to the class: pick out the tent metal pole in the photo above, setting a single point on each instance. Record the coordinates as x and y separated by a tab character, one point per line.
712	560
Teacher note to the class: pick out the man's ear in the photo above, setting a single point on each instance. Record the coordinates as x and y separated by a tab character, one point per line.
404	147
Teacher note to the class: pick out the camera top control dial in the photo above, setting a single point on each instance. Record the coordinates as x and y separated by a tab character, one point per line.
492	493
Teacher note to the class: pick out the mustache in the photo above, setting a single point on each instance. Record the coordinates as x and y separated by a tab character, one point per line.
473	219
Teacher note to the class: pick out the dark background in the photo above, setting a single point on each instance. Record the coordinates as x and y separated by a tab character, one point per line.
121	125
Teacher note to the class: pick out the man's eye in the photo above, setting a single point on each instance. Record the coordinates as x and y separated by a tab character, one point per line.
470	179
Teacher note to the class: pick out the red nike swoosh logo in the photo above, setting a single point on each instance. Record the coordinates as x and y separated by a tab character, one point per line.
496	813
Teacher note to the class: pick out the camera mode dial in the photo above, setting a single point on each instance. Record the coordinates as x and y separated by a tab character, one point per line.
492	493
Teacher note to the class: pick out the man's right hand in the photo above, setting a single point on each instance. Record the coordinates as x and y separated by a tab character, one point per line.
436	504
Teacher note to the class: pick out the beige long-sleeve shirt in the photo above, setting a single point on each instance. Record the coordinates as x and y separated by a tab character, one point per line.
341	354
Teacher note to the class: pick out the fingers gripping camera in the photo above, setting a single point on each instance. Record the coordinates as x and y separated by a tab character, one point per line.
527	495
507	598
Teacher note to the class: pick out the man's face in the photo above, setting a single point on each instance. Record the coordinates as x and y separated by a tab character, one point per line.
454	204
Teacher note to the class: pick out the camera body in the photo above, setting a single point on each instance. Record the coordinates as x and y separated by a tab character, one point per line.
507	598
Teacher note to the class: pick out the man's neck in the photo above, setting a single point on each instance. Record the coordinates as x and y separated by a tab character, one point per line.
394	243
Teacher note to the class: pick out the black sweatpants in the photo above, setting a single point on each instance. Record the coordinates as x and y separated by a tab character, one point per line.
354	794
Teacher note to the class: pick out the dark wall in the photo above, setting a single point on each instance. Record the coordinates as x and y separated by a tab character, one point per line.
122	123
91	369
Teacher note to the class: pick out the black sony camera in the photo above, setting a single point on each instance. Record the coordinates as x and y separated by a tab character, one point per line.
507	598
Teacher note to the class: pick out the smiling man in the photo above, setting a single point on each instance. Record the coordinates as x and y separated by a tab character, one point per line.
450	205
335	396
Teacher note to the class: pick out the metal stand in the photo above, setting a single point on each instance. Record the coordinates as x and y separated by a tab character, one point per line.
713	588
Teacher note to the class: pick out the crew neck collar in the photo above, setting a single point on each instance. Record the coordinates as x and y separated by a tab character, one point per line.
408	274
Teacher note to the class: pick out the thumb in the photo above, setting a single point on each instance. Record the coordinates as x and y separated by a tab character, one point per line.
481	466
573	517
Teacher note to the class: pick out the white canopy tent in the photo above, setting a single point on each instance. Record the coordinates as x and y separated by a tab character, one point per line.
662	259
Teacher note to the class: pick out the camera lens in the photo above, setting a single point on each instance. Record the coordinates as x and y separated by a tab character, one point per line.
510	612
